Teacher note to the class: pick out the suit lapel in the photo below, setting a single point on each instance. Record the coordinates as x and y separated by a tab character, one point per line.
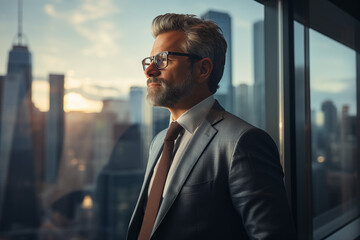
202	137
155	154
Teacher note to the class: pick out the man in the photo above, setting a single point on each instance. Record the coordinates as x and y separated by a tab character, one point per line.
222	178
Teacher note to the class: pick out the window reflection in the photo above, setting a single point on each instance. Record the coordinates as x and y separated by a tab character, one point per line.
333	134
74	143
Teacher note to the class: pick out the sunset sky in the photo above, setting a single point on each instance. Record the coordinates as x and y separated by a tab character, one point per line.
99	45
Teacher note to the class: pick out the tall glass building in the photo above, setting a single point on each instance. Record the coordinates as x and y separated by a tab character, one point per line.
225	92
18	198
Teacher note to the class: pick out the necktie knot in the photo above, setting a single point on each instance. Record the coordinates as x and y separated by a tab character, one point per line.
173	131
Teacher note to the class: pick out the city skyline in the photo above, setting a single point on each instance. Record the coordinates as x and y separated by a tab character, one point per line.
91	56
52	161
60	37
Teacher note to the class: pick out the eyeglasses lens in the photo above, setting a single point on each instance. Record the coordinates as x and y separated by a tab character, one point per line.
146	63
161	60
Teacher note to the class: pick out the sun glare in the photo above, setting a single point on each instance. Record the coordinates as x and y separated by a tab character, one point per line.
76	102
40	95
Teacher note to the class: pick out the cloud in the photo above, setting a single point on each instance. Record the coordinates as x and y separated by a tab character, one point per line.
329	85
95	92
93	10
103	38
49	10
91	21
51	61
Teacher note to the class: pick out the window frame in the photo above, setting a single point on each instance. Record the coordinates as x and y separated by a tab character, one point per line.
345	29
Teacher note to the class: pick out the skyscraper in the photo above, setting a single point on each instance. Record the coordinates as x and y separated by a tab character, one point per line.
330	119
348	143
242	102
137	96
120	107
329	134
225	92
120	179
17	180
54	128
259	74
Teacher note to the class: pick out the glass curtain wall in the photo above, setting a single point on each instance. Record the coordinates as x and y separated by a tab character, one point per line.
75	127
334	140
326	74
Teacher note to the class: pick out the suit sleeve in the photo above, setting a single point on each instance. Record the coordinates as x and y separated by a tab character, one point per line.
257	188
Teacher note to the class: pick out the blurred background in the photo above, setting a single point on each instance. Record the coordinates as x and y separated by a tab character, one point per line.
75	127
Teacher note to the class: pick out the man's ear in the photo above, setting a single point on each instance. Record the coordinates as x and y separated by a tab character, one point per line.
204	69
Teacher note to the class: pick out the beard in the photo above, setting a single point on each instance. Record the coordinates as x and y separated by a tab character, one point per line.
168	95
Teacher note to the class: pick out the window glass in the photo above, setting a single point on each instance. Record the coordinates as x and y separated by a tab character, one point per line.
75	127
335	192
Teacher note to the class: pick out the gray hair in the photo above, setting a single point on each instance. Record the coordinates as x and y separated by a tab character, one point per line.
203	38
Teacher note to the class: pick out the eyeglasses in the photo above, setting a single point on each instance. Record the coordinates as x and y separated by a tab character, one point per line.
161	59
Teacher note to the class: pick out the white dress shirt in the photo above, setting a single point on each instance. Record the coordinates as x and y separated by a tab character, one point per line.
189	120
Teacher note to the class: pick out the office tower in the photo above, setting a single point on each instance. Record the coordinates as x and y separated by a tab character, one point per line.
160	120
120	180
137	96
39	145
242	102
103	140
120	107
155	120
109	128
259	74
225	92
330	120
54	128
328	139
116	194
18	203
348	142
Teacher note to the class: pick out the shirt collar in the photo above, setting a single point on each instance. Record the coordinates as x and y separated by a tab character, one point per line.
192	118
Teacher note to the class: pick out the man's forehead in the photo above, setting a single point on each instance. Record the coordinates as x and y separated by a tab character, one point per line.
168	41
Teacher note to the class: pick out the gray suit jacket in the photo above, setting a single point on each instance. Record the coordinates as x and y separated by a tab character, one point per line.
228	185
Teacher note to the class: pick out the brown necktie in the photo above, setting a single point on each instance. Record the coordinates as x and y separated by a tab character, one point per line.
157	187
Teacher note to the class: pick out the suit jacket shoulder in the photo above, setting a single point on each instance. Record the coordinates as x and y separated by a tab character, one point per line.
228	184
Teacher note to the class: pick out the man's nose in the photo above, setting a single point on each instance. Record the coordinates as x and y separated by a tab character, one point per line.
152	71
